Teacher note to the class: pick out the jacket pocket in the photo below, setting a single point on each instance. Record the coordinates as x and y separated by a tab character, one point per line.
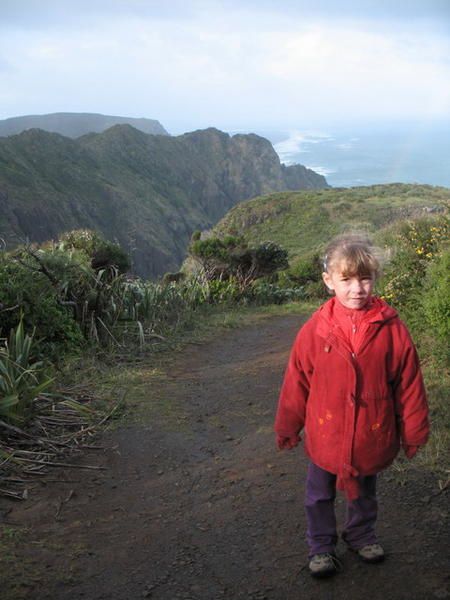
376	436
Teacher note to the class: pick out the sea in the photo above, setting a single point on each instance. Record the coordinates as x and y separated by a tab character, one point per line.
361	155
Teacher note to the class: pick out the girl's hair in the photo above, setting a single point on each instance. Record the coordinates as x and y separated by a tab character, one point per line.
354	254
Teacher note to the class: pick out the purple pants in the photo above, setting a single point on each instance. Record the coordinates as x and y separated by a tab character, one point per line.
359	527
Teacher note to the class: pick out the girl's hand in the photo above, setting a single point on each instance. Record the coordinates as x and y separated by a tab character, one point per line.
287	442
411	451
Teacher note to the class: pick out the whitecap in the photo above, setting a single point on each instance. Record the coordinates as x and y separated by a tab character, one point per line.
344	146
325	171
296	144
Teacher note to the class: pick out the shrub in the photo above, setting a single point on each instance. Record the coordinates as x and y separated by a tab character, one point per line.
231	257
78	239
224	291
269	257
436	297
27	293
65	289
173	277
107	255
316	289
413	281
306	269
212	248
102	253
263	292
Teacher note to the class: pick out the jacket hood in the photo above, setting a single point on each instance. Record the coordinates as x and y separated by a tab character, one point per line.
378	312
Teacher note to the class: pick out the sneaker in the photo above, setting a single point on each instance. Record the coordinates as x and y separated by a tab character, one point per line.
372	553
324	565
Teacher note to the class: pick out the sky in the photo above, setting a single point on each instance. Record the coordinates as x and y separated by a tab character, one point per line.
235	65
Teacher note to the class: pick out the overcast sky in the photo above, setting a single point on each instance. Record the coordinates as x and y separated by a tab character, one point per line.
256	64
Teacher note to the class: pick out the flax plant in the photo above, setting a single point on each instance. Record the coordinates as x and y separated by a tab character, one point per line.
21	379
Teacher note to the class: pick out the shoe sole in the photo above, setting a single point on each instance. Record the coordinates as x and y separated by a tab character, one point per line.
323	574
376	559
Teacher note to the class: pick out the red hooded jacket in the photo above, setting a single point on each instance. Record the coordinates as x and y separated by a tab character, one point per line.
355	408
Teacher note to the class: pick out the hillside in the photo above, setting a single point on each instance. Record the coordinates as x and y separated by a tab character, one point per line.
303	221
76	124
148	192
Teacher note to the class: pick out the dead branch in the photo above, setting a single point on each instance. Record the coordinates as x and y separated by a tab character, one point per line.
61	464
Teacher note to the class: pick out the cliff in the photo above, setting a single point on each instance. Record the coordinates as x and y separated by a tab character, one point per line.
147	192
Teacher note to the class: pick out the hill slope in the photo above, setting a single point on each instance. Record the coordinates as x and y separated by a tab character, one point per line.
302	222
76	124
148	192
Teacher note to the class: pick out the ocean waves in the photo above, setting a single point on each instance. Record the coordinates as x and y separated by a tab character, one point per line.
299	143
364	156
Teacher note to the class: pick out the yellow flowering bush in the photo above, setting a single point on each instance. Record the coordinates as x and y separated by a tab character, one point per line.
414	279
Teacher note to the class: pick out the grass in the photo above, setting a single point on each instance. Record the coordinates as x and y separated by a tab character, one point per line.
21	573
17	575
301	222
435	456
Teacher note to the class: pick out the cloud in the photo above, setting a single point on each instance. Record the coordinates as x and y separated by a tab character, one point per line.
232	65
42	14
34	13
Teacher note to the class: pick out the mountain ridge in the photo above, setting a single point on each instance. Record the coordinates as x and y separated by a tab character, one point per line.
148	192
75	125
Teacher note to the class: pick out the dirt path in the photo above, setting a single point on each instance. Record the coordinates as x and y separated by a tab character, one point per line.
197	504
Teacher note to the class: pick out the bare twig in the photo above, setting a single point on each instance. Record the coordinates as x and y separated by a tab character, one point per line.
21	432
61	464
102	422
9	308
109	332
16	495
59	427
62	502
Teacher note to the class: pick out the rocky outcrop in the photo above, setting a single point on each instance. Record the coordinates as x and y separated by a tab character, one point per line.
147	192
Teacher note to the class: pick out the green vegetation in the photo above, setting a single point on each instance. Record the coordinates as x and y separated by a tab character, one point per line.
63	290
302	222
416	277
21	379
27	292
416	282
75	294
148	192
232	257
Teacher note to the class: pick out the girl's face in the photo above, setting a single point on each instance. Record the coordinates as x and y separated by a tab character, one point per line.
352	291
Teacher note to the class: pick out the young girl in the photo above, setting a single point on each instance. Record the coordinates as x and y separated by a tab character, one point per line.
353	382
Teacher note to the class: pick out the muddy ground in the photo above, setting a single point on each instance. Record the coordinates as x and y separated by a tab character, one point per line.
196	502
